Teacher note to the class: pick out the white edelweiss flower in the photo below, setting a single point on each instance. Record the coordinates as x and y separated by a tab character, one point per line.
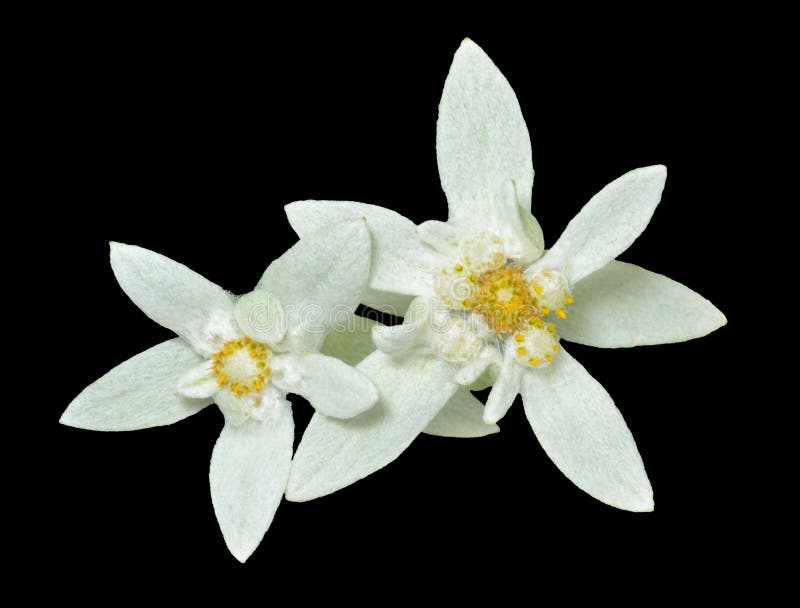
245	354
508	306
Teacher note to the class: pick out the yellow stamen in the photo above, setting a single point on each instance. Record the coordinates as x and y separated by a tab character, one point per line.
244	362
504	297
551	328
534	361
519	338
561	313
570	300
556	347
459	267
522	350
549	358
538	290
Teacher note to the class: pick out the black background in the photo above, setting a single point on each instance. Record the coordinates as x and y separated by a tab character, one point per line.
187	136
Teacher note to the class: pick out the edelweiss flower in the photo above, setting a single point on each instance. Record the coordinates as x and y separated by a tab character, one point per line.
489	307
243	353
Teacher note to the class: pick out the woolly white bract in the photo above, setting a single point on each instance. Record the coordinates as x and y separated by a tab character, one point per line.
490	306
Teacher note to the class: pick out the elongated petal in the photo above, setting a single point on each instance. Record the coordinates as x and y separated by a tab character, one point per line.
322	277
199	382
461	417
607	224
397	339
482	141
260	315
173	295
522	237
333	387
249	469
139	393
505	389
532	230
584	434
401	262
624	305
350	340
335	453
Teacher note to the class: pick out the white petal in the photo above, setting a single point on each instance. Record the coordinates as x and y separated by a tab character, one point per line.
335	453
461	417
505	389
523	241
321	278
624	305
488	377
351	340
482	141
200	382
532	230
397	339
260	315
607	224
413	333
236	410
469	373
584	434
333	387
264	405
443	237
139	393
173	295
249	469
401	262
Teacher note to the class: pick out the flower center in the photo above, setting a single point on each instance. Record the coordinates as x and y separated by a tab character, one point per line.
504	298
515	304
242	365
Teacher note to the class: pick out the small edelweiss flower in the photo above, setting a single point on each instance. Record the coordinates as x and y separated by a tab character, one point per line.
245	354
491	307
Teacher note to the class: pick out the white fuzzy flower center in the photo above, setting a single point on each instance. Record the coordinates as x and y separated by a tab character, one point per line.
513	305
457	343
242	365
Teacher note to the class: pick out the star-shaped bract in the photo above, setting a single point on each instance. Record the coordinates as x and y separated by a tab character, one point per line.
490	306
245	354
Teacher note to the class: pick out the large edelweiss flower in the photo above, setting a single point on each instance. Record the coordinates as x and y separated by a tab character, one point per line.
491	305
